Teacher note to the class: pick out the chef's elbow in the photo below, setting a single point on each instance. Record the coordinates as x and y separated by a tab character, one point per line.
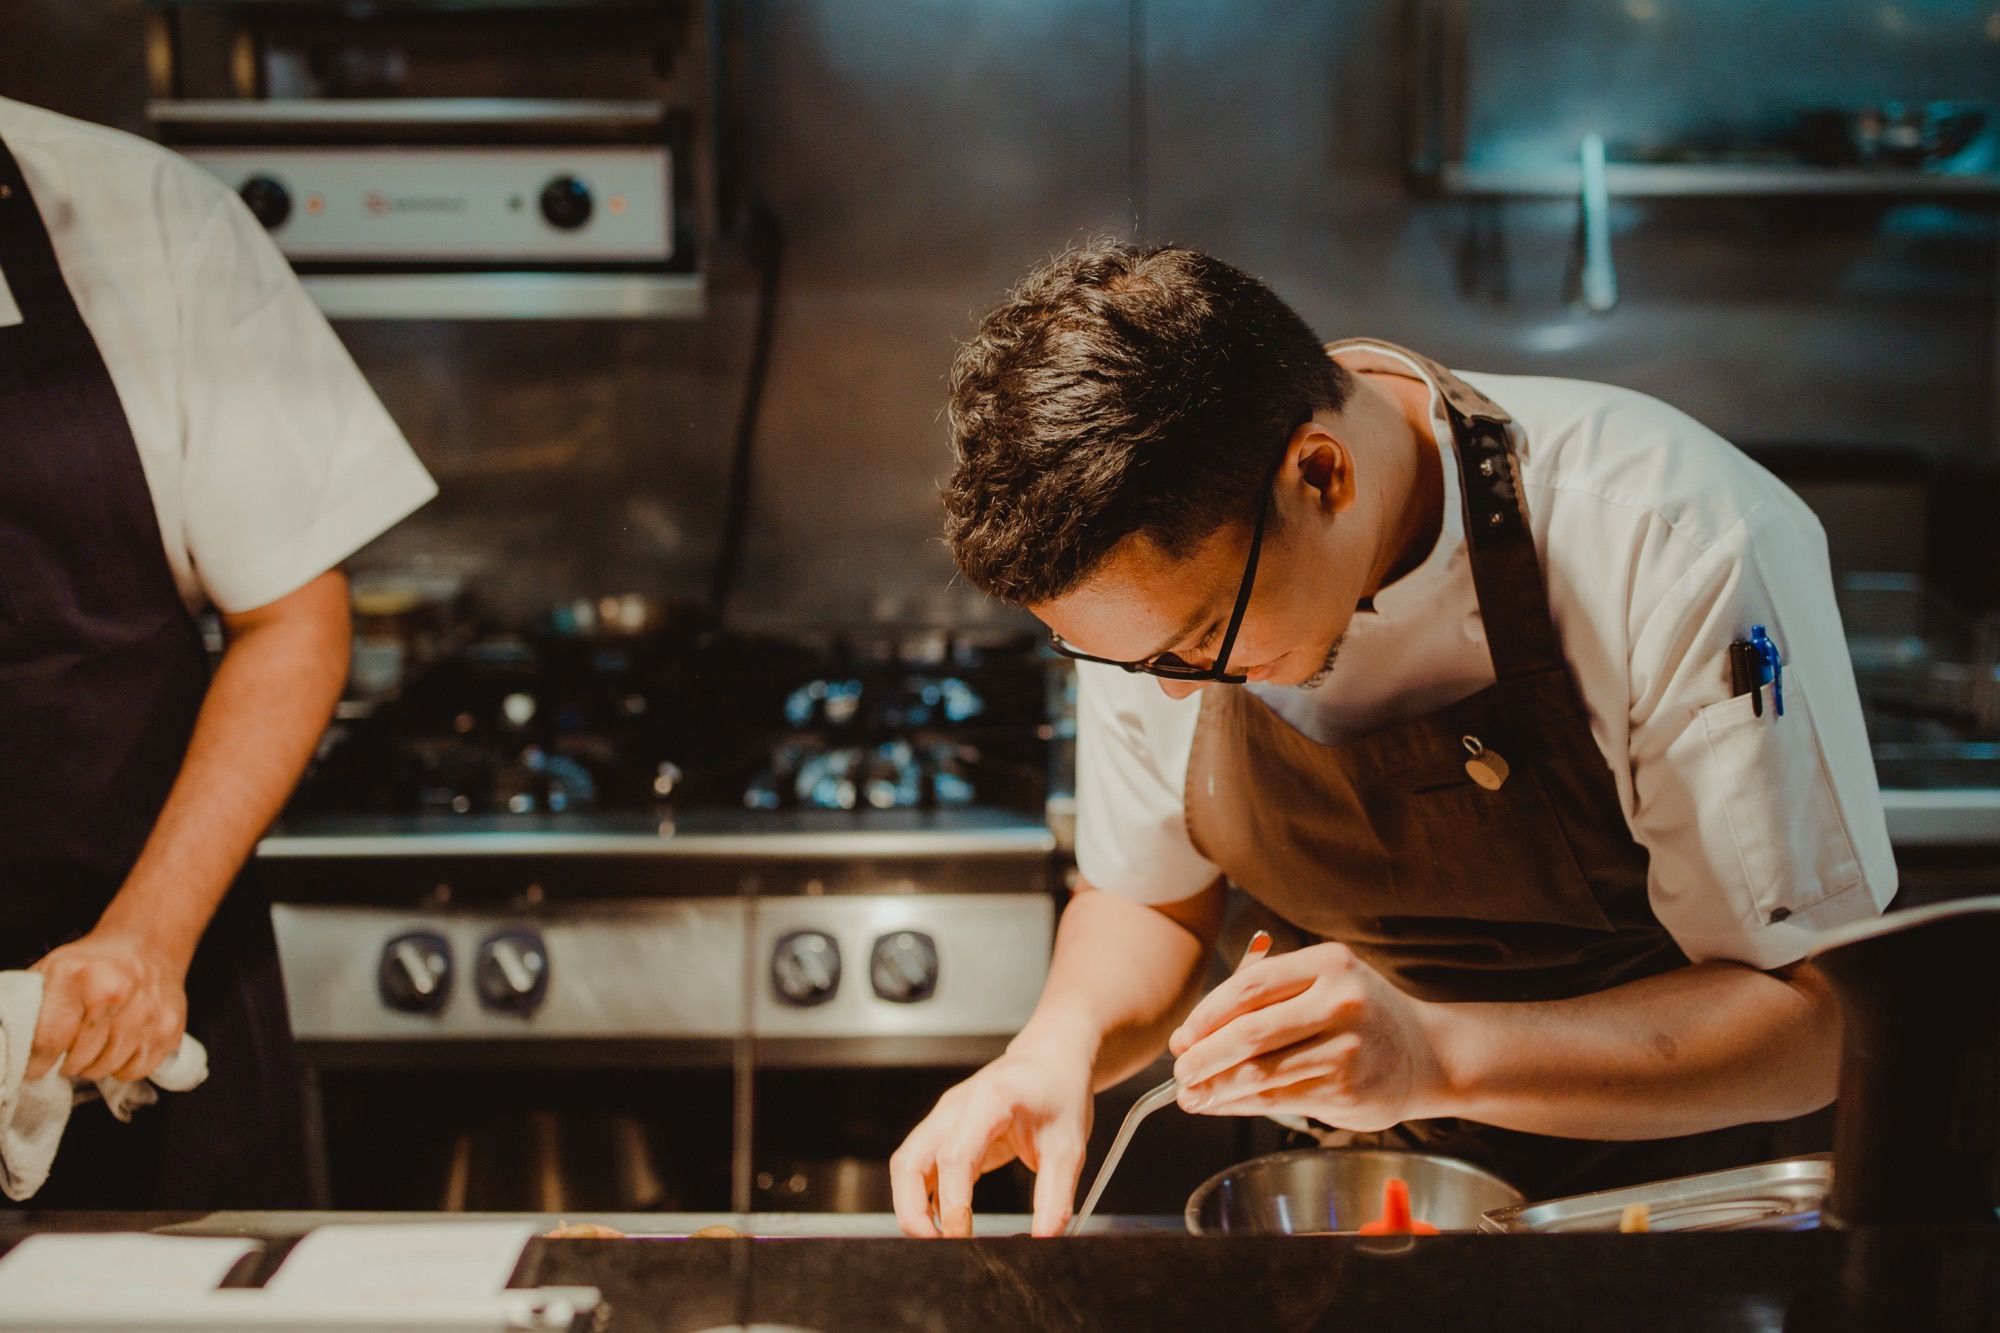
1812	1075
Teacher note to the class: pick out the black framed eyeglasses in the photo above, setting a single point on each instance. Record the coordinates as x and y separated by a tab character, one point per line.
1169	667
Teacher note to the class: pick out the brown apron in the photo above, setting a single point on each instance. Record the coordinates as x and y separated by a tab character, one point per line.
1456	893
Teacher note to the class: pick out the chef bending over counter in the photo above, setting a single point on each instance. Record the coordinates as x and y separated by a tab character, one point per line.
1522	702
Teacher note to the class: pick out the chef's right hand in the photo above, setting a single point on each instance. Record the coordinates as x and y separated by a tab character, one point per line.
1030	1104
113	1006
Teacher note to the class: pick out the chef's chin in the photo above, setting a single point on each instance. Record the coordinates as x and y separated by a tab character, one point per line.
1325	668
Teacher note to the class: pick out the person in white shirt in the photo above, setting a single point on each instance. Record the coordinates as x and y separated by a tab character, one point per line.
179	428
1528	697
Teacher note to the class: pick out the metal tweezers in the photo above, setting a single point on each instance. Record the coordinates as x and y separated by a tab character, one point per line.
1260	943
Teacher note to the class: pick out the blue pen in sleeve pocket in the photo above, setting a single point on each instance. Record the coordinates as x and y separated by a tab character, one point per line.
1755	662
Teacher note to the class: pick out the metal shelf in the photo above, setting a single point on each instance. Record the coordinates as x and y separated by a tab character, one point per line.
1945	817
508	295
1593	183
406	6
1664	180
381	112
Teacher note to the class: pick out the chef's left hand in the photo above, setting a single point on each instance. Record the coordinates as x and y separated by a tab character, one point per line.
112	1006
1316	1032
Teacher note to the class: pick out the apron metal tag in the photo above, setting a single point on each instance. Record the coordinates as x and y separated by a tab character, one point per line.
1486	767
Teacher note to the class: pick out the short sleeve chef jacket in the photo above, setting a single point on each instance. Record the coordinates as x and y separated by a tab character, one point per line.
269	458
1660	544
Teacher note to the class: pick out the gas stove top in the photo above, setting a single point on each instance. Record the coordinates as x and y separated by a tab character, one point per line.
638	730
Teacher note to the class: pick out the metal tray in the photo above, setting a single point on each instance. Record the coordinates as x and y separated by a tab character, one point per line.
1784	1195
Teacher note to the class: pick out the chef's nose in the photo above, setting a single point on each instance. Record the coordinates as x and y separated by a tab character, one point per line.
1181	689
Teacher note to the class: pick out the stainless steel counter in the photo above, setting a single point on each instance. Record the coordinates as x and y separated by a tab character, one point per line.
1918	817
799	835
1943	816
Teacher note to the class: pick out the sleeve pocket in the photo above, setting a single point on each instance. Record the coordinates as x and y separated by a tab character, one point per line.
1772	783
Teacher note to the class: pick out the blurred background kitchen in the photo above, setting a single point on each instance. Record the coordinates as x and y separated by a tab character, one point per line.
686	827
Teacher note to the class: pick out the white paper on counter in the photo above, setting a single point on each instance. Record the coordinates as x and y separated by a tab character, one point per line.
114	1268
394	1261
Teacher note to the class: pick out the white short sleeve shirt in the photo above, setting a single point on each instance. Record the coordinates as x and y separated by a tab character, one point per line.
269	458
1660	544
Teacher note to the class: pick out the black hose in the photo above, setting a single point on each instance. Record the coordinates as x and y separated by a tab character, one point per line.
765	241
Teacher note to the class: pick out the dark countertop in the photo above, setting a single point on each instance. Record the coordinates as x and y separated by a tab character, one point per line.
1908	1280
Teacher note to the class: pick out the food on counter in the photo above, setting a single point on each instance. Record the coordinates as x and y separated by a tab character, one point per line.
1396	1219
718	1231
1636	1218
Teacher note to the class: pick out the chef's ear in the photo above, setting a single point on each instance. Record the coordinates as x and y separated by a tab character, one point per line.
1318	459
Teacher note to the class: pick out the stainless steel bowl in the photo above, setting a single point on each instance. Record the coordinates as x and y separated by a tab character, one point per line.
1318	1190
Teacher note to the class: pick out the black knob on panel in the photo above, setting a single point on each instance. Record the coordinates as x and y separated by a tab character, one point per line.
904	968
805	967
566	203
513	972
414	974
270	202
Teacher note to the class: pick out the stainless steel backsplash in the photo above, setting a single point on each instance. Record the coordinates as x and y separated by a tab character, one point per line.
921	153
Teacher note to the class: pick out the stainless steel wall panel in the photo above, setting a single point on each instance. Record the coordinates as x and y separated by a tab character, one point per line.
919	156
1667	73
1273	138
922	153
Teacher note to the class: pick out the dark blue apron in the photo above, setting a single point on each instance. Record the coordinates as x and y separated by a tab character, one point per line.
102	672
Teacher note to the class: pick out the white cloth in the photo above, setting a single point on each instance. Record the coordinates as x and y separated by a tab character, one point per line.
34	1112
269	458
1660	543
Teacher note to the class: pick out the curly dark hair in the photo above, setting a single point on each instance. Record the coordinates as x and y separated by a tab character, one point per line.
1115	391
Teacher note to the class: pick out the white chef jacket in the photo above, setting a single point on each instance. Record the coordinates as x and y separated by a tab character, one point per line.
1660	544
269	458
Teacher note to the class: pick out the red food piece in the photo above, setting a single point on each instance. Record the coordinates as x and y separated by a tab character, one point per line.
1395	1219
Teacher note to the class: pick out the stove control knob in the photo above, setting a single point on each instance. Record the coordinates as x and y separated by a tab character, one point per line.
513	973
414	974
268	200
566	203
904	968
805	968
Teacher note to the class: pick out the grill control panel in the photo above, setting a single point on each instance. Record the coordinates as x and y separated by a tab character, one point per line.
475	205
836	966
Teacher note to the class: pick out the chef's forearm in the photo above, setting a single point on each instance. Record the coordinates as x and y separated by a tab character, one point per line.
264	713
1122	976
1695	1049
